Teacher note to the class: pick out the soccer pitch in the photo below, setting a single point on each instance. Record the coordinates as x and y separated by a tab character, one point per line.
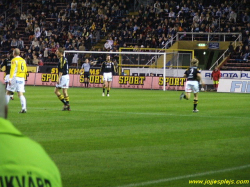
139	137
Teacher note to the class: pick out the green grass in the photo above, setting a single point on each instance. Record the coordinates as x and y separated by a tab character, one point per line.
139	136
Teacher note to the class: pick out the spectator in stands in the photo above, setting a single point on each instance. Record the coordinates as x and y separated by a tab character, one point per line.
231	48
239	29
245	35
246	53
26	49
102	20
23	16
73	5
31	34
246	18
247	41
36	27
248	26
232	16
171	13
20	44
7	36
87	42
37	33
45	54
157	7
109	44
35	43
75	59
49	33
42	45
35	60
196	18
13	43
28	60
239	50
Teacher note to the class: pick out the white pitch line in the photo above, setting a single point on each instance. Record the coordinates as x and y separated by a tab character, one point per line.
184	177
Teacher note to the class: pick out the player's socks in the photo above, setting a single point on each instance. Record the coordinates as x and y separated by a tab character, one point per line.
87	84
195	104
67	107
62	99
12	95
108	91
66	100
23	102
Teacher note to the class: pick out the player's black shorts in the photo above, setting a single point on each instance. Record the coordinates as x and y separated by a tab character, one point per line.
86	74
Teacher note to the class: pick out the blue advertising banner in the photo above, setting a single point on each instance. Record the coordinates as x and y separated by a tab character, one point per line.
214	45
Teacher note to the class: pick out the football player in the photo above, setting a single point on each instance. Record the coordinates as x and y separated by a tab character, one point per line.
63	79
193	75
7	64
107	69
16	82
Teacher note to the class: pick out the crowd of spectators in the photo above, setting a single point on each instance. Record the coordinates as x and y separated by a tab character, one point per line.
78	25
75	25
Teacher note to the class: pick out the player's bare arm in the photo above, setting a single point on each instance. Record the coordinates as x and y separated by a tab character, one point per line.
59	77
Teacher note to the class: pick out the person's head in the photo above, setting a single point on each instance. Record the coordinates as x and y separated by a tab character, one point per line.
108	57
194	62
59	52
216	68
3	104
86	60
16	52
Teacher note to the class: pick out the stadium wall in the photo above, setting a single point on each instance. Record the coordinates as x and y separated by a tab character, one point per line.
137	82
173	81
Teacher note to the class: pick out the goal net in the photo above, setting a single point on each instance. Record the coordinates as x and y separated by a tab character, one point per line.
137	63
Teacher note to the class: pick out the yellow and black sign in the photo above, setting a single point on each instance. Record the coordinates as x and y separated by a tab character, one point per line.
75	71
32	69
132	80
172	81
94	79
49	77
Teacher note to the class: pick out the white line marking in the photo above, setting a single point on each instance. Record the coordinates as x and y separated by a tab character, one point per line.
185	176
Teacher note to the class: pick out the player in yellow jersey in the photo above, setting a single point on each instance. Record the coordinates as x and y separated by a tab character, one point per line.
16	83
23	162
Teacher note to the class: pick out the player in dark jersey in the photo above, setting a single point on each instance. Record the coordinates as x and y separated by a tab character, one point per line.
7	64
63	79
193	75
107	69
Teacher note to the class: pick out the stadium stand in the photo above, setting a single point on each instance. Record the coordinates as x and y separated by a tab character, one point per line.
43	26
